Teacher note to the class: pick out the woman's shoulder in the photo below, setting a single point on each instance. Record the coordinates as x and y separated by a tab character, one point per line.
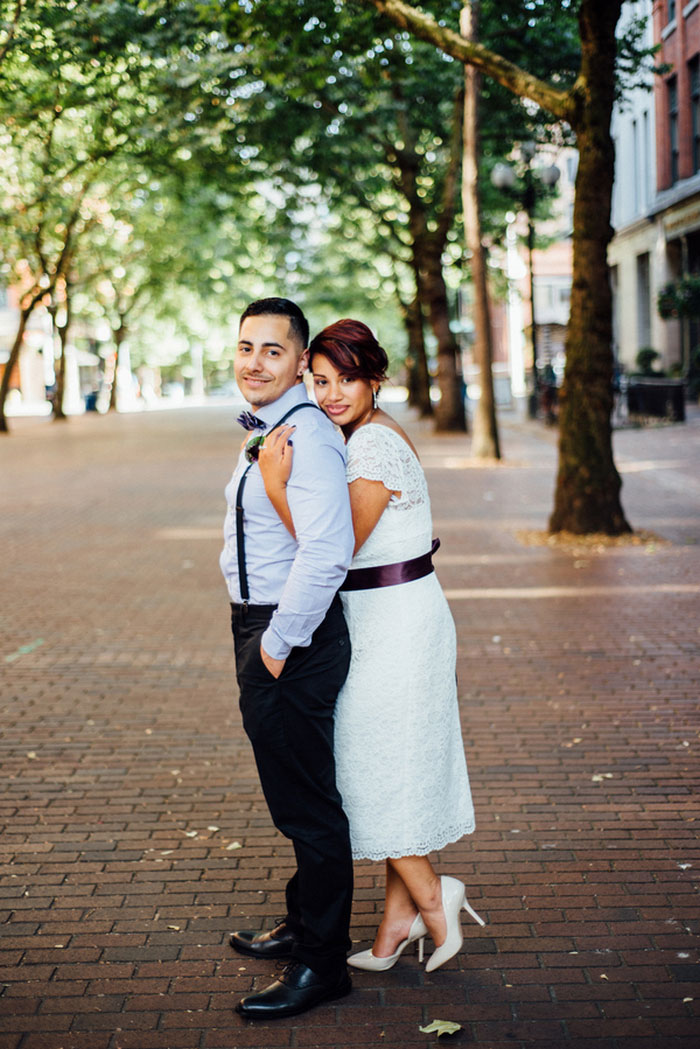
379	453
381	435
378	433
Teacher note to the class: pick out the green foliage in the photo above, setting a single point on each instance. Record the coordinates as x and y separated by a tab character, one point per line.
206	152
645	360
680	298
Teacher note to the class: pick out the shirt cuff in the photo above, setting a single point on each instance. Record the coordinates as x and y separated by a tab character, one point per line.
273	644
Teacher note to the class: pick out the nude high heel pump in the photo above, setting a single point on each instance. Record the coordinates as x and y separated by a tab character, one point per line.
368	961
454	898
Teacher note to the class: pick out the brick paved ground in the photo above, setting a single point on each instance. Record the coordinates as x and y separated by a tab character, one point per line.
134	832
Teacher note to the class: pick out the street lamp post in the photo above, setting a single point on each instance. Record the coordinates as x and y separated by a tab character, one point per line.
505	177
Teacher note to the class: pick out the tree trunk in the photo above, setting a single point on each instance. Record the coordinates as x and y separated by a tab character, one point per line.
587	497
485	444
58	411
24	316
119	336
60	375
427	249
416	358
449	414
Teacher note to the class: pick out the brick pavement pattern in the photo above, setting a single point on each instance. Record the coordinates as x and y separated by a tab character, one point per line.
134	835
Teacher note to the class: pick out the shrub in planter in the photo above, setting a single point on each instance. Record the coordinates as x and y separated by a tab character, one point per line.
645	361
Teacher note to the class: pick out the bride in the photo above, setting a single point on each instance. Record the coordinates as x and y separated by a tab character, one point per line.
400	764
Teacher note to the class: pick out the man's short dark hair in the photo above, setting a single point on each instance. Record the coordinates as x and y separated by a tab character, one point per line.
281	308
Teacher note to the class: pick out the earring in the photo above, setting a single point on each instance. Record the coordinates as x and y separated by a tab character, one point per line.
375	400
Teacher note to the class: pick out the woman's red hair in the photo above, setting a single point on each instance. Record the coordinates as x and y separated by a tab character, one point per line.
352	349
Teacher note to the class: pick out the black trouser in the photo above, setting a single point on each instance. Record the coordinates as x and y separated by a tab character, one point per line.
289	721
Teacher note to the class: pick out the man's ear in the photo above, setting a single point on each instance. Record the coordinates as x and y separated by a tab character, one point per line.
303	364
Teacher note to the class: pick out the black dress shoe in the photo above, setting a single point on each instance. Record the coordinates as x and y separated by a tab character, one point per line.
298	989
275	944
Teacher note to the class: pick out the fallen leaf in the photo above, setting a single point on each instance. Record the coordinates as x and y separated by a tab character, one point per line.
212	828
175	927
191	833
234	845
442	1027
603	976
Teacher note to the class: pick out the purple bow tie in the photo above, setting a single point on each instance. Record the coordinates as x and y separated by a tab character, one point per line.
251	422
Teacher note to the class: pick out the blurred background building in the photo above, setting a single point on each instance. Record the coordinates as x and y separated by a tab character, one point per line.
656	199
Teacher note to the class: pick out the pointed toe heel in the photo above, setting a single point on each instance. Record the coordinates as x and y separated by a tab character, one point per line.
454	898
371	963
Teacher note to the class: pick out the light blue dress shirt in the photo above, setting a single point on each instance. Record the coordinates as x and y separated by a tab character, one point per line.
299	576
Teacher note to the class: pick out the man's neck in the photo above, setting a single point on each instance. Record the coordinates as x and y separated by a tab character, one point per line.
272	411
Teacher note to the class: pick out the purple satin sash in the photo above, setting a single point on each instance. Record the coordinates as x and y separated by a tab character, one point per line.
391	575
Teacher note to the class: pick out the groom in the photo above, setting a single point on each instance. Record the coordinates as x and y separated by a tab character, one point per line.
292	655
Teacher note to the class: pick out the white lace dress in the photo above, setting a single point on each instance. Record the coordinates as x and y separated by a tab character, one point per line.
400	762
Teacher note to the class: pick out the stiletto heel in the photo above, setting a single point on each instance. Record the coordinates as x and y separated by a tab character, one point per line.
466	905
454	898
369	961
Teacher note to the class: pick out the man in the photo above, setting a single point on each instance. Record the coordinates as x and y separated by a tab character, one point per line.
292	655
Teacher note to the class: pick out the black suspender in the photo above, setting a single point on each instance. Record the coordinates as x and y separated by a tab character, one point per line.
240	536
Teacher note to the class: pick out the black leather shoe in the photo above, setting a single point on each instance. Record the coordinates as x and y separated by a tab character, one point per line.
298	989
275	944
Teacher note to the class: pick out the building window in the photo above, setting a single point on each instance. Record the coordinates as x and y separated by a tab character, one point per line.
643	302
672	10
672	88
694	71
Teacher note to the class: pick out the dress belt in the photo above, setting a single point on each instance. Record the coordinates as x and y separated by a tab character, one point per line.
391	575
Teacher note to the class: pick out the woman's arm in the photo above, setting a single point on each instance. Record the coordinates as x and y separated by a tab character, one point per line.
275	462
368	501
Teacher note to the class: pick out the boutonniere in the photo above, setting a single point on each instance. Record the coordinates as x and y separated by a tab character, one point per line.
253	446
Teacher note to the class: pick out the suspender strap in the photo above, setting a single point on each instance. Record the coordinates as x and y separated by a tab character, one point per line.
240	538
240	535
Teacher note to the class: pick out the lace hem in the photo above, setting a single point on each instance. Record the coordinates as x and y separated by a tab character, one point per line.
396	851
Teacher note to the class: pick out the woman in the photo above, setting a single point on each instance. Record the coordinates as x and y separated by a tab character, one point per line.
400	764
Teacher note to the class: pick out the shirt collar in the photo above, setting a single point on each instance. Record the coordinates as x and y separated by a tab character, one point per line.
272	413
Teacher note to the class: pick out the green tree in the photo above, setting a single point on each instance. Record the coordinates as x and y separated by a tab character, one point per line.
587	497
328	98
91	84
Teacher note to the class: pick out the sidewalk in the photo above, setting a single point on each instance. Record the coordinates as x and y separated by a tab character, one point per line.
134	833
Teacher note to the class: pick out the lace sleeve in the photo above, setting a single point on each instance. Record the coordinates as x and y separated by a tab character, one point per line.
375	455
